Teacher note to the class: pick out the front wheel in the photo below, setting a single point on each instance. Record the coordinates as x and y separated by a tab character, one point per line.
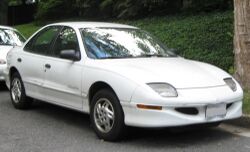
107	117
17	93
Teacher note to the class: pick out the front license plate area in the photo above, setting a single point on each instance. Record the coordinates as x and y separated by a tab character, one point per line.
216	110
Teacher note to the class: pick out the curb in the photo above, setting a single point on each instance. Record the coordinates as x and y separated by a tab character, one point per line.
243	121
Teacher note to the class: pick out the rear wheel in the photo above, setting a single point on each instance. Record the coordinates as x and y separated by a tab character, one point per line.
107	117
17	93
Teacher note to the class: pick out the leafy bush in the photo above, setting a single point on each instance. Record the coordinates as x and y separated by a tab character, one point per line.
246	102
204	37
125	9
54	9
209	5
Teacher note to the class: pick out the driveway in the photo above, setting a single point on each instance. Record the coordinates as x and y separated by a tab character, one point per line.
48	128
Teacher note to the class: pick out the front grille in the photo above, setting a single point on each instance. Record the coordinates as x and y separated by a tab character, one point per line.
229	105
188	110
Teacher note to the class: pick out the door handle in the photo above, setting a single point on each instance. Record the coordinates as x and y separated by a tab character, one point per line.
47	66
19	60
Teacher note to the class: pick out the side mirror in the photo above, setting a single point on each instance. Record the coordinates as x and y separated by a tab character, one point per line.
70	55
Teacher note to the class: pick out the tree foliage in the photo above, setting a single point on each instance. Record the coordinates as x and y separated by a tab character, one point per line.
3	11
207	37
101	9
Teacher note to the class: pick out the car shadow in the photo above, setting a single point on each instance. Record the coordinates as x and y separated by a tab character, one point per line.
163	137
3	86
75	118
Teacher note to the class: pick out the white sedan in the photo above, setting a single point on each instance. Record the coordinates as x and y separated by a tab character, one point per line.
121	76
9	37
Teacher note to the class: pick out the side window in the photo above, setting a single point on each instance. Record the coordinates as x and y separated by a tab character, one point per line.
41	43
67	40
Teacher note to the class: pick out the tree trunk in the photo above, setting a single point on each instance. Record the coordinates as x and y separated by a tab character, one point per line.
242	42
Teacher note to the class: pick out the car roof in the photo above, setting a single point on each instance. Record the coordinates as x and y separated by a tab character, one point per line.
93	25
6	27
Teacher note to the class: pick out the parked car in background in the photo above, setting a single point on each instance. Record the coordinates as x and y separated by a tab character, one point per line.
120	75
9	37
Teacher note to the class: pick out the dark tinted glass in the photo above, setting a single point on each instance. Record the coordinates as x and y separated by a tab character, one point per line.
67	40
41	43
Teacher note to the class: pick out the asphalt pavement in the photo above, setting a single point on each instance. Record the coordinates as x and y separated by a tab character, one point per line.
48	128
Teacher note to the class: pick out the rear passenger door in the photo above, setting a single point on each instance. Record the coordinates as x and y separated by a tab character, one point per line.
31	61
63	77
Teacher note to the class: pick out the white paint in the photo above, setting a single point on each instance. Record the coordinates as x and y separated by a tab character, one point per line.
197	84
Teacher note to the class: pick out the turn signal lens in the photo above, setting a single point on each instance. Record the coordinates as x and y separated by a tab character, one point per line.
149	107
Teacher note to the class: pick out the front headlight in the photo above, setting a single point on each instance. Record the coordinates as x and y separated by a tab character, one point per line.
164	89
2	61
230	82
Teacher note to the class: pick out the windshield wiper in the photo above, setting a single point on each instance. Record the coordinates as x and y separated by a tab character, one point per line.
117	57
151	55
131	56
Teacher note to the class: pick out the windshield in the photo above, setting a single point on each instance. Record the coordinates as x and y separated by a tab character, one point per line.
11	37
103	43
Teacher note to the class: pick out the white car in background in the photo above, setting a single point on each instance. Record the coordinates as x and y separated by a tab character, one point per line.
121	76
9	37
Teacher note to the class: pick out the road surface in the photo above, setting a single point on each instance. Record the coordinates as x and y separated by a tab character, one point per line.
48	128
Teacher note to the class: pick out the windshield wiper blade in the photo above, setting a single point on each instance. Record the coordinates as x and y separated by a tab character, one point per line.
151	55
117	57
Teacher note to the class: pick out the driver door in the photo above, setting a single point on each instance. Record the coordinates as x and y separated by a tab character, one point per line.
63	77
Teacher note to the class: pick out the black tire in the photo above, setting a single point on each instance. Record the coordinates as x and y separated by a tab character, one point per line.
118	128
22	102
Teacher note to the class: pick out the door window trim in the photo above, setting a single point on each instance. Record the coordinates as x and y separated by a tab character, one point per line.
53	44
34	38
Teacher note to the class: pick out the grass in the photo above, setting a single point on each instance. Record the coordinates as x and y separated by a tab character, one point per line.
27	29
246	102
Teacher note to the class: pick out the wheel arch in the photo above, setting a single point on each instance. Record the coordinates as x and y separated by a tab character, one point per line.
12	71
95	87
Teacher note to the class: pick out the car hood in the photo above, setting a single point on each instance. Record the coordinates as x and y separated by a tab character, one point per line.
179	72
4	49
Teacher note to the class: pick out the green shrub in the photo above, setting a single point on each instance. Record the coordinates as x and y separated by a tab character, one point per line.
204	37
125	9
246	102
54	9
27	29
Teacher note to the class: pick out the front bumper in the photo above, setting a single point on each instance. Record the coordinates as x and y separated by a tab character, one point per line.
170	117
196	98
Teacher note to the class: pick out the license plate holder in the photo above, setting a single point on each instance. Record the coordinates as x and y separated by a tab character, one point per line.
216	110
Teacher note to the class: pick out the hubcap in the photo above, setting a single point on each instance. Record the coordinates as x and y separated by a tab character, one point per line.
104	115
16	90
